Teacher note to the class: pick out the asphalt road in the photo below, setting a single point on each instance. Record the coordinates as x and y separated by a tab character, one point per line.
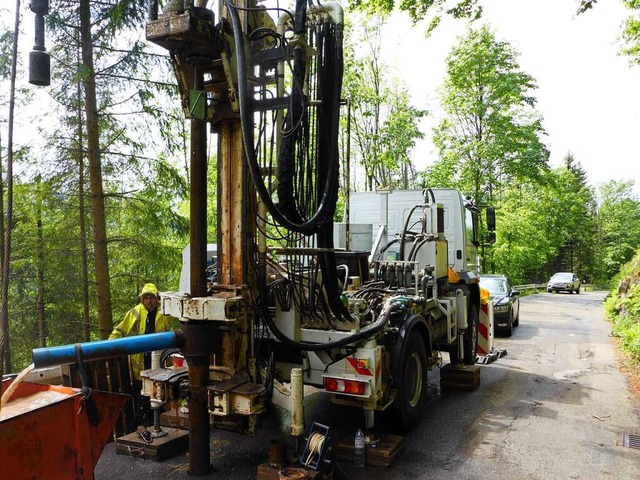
553	408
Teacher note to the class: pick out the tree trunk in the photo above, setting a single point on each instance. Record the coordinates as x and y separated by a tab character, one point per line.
42	326
103	290
5	350
82	213
4	326
82	218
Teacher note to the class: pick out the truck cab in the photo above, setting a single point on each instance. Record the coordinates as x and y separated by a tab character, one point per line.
461	221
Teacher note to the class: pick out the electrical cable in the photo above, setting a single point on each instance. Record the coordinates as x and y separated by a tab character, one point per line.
314	446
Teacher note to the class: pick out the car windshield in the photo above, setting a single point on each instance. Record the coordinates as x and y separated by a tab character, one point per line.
562	277
496	286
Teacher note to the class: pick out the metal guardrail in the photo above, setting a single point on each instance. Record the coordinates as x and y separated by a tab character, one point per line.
531	287
535	287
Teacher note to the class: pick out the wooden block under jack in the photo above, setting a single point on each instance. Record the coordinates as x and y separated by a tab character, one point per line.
174	418
267	472
459	377
384	454
174	442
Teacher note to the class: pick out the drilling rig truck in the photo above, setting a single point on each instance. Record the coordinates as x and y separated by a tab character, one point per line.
365	326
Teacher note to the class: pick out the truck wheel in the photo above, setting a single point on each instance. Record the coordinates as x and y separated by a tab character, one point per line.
412	381
471	336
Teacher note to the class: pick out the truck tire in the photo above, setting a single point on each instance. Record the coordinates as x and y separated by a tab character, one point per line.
412	381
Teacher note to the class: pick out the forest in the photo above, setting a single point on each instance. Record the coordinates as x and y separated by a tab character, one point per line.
95	195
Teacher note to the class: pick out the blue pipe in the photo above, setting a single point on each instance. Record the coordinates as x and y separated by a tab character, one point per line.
66	354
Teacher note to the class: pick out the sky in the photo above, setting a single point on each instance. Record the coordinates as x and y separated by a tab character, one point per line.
588	95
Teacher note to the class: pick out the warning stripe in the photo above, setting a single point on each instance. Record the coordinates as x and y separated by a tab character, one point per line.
362	371
483	331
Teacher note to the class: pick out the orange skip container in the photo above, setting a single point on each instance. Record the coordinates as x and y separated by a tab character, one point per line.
45	432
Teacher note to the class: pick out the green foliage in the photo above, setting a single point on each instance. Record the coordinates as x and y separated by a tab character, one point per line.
529	253
618	220
491	134
6	39
631	32
623	306
142	147
384	123
418	9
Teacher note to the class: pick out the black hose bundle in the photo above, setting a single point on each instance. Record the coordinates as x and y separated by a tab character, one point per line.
302	137
330	87
308	162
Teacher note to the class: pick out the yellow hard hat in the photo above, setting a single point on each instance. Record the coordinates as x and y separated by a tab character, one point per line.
149	288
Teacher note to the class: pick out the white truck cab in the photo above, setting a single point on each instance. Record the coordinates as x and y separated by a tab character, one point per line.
386	211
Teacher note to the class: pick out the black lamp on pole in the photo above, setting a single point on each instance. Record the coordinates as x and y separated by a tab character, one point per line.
39	60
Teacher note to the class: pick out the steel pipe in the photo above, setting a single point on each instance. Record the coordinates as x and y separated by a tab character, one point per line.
297	402
198	354
66	354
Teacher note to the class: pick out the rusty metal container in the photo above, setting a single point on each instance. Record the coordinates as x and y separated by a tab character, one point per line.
47	433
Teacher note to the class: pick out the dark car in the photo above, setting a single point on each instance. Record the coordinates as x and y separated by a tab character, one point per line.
506	302
564	282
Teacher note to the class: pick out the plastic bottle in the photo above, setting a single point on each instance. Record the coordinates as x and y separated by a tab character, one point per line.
359	449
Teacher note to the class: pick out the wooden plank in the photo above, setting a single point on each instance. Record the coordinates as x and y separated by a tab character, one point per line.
110	375
101	376
384	454
175	419
267	472
175	442
459	377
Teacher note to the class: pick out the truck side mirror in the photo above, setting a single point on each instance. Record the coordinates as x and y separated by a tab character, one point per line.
491	238
491	219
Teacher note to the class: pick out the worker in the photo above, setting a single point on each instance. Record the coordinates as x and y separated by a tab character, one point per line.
141	319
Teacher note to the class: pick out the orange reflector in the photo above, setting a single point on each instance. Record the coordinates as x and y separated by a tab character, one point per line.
344	386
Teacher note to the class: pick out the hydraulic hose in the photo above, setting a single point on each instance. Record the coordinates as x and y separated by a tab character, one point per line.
426	194
413	253
389	307
404	230
323	210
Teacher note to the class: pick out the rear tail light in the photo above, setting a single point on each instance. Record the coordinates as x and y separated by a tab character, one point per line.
351	387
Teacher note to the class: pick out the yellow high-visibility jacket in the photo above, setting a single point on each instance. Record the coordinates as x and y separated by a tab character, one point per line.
134	323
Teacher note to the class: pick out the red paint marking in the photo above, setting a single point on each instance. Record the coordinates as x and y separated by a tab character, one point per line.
485	308
483	331
362	371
